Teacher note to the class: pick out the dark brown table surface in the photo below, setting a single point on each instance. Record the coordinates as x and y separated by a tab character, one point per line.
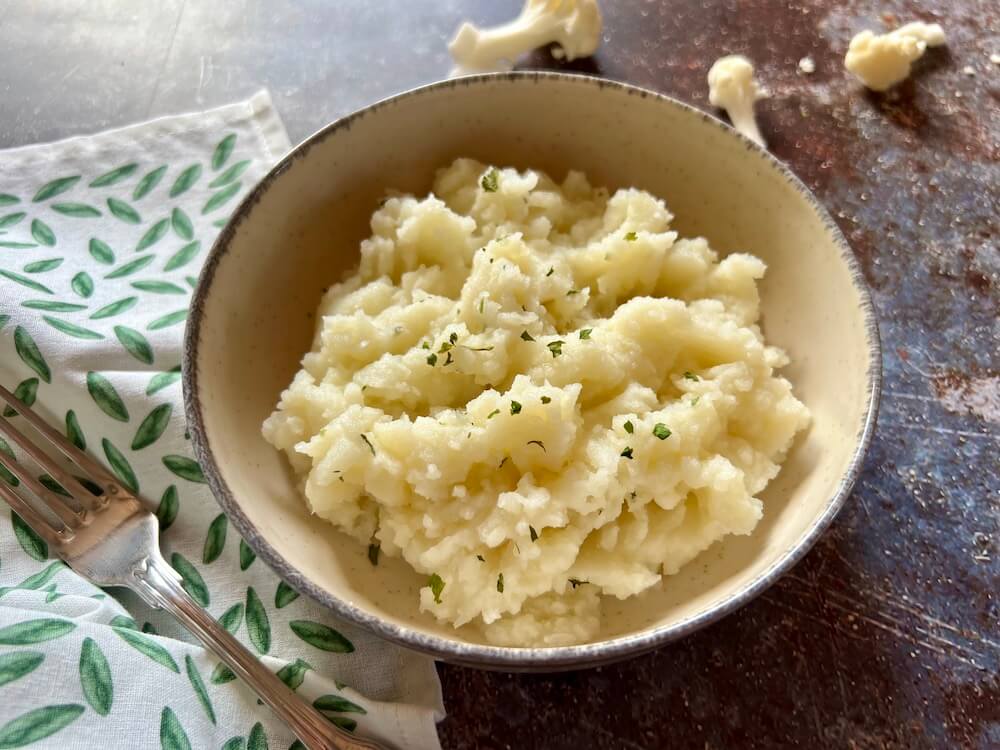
887	635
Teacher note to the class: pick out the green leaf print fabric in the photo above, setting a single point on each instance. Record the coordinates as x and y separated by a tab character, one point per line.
101	242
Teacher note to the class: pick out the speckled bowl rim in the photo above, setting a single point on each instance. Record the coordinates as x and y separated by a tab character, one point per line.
485	656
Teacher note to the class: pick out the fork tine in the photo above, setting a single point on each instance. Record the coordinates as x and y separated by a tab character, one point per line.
71	518
71	484
91	467
39	524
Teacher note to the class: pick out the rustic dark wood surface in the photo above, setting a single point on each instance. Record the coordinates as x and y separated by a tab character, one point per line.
887	635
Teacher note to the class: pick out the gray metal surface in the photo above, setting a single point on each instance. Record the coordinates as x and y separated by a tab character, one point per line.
886	635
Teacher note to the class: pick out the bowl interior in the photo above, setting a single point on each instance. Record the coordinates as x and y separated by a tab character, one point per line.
254	319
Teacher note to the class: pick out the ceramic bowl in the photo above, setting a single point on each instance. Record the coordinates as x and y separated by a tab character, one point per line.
299	230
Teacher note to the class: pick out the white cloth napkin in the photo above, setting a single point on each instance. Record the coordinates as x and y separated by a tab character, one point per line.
101	241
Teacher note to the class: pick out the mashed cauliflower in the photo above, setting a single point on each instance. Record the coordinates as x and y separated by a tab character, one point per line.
537	395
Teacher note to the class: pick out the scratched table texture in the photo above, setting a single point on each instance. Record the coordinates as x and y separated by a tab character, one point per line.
886	635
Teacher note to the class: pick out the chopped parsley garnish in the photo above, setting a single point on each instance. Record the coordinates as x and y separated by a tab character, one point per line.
479	348
551	271
526	336
695	400
368	443
515	407
500	583
571	292
546	399
555	347
373	550
585	333
539	443
480	558
574	582
445	346
490	181
432	359
688	375
426	345
629	427
631	236
505	460
482	305
453	338
437	586
448	360
534	534
492	414
661	431
627	453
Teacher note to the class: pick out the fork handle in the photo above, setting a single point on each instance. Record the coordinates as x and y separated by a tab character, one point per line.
160	586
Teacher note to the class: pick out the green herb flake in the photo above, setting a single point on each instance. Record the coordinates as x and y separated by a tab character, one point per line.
546	400
492	414
527	336
479	348
448	360
437	586
426	345
695	400
539	443
571	292
629	427
480	558
631	236
432	359
661	431
627	453
551	271
555	347
368	443
688	375
534	534
500	583
453	338
491	180
585	333
515	407
505	460
373	549
574	582
482	305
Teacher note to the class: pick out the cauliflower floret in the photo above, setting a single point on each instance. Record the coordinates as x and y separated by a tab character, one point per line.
574	25
732	87
882	61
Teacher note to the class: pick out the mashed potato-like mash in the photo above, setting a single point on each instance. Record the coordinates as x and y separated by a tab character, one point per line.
537	395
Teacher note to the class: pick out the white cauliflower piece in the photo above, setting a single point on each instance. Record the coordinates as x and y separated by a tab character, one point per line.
732	87
574	25
881	61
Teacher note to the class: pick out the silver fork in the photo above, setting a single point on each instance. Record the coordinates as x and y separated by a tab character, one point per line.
112	540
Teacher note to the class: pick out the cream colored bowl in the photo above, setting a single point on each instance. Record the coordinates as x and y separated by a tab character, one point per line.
299	230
